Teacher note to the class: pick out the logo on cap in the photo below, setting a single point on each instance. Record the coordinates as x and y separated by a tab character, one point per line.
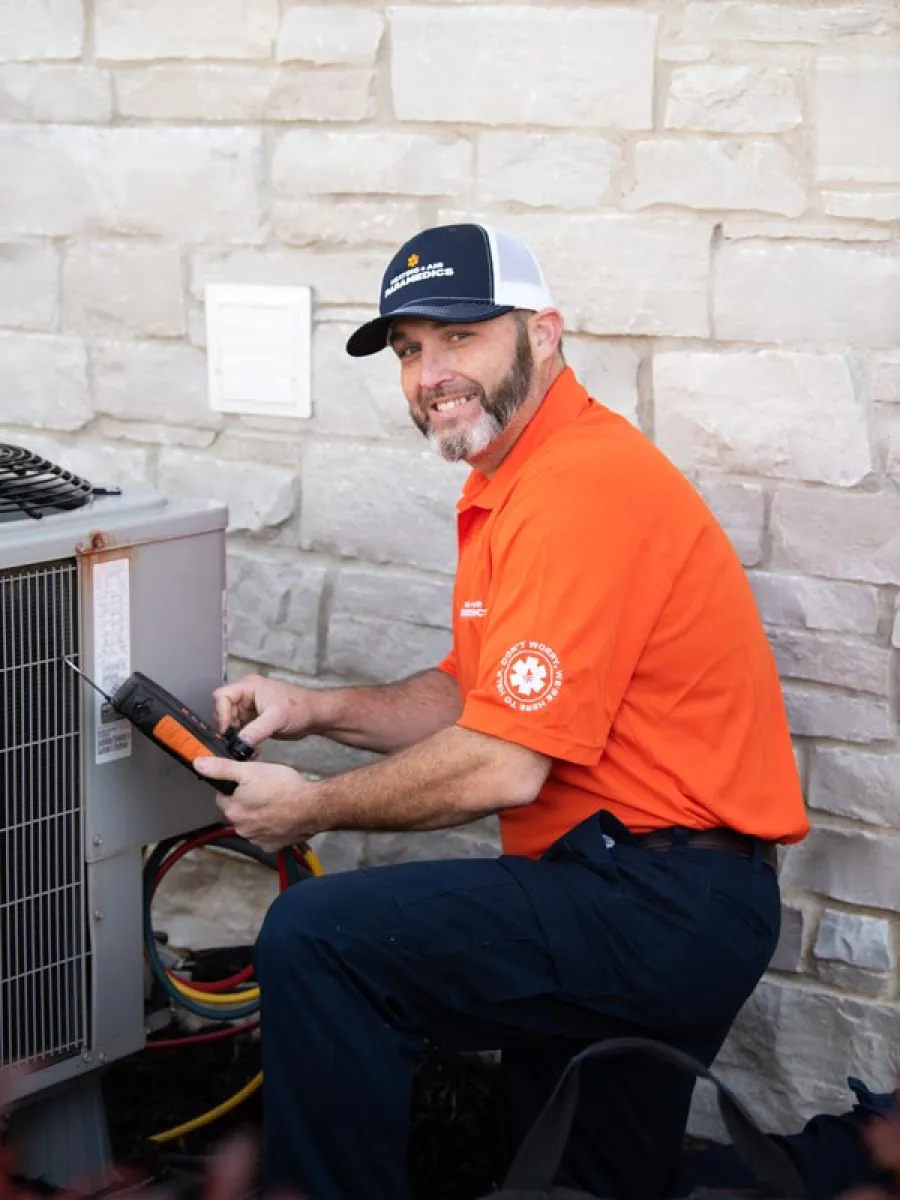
413	260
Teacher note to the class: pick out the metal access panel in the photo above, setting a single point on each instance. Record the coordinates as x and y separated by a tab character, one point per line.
129	583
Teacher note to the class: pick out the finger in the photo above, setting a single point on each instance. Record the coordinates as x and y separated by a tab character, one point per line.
269	721
221	768
227	701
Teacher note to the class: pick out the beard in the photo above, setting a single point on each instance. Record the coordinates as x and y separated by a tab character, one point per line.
497	409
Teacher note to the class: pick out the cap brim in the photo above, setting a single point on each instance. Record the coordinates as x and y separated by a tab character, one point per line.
373	336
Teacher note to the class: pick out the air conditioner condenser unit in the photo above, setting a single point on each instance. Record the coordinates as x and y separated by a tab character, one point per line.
115	583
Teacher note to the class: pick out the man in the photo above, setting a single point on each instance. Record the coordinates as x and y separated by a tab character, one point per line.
610	693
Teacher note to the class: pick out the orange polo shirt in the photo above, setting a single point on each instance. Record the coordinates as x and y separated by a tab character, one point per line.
602	618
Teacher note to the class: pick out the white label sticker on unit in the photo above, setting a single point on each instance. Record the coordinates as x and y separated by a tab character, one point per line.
112	654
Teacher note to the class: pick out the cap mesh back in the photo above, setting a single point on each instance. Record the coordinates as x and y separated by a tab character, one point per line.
516	262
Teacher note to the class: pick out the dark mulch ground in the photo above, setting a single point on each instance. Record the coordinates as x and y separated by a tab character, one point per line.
455	1131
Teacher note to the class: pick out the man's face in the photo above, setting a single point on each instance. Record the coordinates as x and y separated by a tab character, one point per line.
463	383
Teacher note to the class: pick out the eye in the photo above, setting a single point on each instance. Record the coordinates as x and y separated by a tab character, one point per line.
407	351
460	335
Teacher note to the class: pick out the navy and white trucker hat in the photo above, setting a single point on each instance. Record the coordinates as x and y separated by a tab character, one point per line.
460	274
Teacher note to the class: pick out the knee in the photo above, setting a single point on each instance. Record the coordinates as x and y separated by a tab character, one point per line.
301	921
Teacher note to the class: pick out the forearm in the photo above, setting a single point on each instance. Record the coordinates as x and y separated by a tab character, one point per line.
449	779
389	717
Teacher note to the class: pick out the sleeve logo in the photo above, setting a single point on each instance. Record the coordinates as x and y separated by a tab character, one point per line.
529	676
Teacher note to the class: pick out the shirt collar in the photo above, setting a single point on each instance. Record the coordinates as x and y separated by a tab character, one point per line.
565	400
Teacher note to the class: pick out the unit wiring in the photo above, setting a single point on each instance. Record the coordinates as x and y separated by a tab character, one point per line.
234	999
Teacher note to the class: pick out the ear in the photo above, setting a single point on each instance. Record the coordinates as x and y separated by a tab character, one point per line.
546	329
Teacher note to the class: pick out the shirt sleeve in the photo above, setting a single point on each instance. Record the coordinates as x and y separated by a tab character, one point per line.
576	589
448	664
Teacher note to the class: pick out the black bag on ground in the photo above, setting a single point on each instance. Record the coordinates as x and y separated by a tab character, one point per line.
531	1175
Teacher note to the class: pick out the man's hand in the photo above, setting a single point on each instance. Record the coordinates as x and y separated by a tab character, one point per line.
261	708
272	805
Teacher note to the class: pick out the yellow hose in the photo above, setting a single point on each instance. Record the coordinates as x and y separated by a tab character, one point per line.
207	1118
224	999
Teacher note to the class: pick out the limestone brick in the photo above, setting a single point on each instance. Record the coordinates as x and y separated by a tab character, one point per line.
53	92
225	92
855	939
383	504
385	625
360	396
884	383
740	508
607	81
852	979
783	292
716	174
857	116
788	954
29	286
869	206
273	608
609	372
333	33
336	222
41	29
138	30
853	536
465	842
760	414
793	1046
803	603
737	20
154	433
352	277
258	496
735	229
622	273
815	711
43	381
545	170
848	865
100	463
184	184
312	161
111	288
737	98
152	381
827	658
863	785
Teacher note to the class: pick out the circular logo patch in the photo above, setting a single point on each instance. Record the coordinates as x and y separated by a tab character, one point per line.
530	676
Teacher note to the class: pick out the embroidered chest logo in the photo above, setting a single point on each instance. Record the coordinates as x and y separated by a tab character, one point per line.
472	608
530	676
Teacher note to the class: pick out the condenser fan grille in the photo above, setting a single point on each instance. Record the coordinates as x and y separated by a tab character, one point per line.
31	486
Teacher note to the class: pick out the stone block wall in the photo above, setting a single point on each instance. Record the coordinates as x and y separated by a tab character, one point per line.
714	189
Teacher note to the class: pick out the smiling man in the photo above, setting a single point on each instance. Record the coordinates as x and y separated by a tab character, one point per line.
610	694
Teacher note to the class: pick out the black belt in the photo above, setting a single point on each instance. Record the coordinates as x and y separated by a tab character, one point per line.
717	838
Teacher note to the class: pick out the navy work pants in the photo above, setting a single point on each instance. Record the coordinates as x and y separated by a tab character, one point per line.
535	958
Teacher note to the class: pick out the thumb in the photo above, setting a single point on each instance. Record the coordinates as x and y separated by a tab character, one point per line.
221	768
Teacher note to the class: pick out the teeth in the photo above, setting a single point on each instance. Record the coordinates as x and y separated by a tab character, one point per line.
454	403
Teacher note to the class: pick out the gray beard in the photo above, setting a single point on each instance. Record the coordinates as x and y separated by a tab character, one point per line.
454	447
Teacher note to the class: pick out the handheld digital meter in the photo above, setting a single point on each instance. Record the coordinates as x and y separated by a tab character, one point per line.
169	723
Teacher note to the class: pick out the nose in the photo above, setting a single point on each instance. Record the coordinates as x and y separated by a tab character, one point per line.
435	365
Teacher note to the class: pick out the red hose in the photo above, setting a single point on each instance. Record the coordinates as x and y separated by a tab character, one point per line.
195	843
197	1039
